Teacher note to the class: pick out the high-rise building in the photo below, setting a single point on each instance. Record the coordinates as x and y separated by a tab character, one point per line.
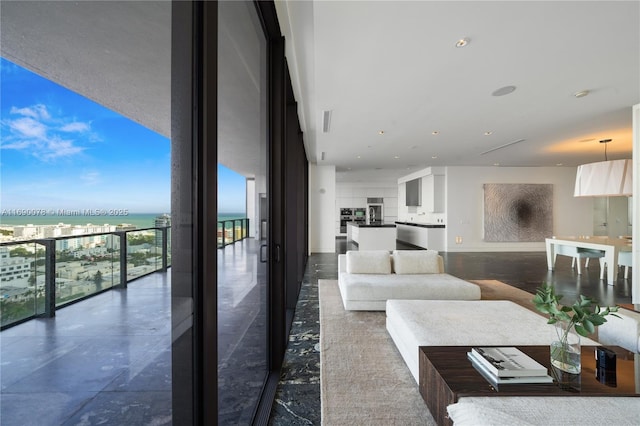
161	221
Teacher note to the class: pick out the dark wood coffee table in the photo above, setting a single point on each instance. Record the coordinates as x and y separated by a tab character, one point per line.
446	375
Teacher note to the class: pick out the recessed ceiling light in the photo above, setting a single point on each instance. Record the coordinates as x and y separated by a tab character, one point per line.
434	157
396	157
381	132
496	164
358	156
463	42
435	132
504	91
559	164
488	133
581	94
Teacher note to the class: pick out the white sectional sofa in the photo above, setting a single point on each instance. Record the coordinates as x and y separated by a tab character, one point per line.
367	279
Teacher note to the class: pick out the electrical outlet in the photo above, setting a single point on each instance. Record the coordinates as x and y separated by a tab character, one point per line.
458	240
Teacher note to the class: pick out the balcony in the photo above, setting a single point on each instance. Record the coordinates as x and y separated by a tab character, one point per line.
106	356
106	359
38	277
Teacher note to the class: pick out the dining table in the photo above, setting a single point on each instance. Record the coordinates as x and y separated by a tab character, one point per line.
610	246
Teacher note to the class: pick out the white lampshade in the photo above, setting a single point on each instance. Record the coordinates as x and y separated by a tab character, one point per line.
604	179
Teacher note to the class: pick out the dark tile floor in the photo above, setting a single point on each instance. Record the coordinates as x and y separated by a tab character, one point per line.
298	396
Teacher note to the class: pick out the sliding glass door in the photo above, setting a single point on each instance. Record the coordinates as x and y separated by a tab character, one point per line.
243	279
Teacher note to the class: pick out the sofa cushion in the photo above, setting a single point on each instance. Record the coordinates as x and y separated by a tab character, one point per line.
368	262
383	287
415	262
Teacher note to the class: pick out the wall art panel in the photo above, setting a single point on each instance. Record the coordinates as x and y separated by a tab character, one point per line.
518	212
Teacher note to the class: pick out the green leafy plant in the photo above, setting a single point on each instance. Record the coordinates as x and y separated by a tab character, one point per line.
584	315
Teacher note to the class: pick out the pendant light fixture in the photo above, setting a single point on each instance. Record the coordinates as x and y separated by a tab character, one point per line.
609	178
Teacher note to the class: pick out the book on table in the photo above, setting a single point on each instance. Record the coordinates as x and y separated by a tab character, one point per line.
495	380
507	362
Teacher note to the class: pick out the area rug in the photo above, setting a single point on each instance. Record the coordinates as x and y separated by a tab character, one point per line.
363	378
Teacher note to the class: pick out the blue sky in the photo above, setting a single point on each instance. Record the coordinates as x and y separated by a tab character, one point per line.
59	150
232	188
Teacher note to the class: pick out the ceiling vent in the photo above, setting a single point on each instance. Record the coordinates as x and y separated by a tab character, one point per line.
502	146
326	121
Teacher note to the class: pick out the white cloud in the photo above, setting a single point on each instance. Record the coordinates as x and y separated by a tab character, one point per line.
47	138
91	177
38	112
76	126
56	148
18	145
27	127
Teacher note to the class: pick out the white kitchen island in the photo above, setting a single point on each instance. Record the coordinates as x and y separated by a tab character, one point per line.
425	235
372	237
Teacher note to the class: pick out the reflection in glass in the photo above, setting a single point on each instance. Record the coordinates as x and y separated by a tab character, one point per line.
242	273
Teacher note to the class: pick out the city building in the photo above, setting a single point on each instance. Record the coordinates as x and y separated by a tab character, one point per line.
14	270
305	98
161	221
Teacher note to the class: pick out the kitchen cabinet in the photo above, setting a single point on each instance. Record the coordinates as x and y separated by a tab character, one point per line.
433	193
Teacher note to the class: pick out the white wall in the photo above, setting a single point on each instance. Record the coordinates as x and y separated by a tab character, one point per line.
322	209
355	194
635	283
465	205
252	210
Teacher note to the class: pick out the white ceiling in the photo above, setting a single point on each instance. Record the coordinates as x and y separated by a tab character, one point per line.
117	53
380	65
393	66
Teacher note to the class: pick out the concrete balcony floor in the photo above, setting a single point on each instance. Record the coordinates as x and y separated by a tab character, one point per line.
104	360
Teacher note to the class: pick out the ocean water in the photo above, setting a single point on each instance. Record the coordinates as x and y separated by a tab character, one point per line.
139	220
229	216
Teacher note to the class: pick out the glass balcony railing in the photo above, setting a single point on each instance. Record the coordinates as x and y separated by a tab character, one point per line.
39	276
230	231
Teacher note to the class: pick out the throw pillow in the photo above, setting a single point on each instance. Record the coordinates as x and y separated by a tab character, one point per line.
416	262
368	262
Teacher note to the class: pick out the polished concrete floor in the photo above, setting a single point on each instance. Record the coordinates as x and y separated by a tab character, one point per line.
107	360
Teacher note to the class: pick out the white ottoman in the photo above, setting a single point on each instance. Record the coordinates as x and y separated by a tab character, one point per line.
623	331
415	323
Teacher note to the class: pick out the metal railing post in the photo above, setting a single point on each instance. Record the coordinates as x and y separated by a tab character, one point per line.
49	277
123	259
165	246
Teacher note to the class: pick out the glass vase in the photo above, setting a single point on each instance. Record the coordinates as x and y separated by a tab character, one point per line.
565	352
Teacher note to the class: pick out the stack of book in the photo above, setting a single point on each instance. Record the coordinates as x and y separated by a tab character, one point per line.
507	365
